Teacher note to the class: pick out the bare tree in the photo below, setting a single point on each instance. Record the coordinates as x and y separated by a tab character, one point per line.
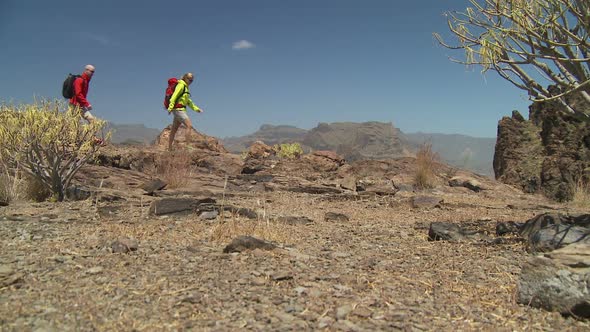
533	44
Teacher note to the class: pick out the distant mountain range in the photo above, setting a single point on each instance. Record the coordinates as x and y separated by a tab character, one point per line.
354	141
375	140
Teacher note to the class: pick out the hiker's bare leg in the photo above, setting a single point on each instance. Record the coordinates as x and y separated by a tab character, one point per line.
86	115
189	129
173	130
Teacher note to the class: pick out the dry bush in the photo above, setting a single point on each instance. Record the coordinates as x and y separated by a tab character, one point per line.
581	197
174	168
426	167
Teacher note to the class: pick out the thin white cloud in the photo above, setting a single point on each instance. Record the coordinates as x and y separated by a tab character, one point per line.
101	39
242	45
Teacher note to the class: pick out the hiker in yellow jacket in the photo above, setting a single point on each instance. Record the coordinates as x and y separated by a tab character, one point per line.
178	102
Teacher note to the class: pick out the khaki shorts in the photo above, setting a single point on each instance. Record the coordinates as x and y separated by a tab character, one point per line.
180	116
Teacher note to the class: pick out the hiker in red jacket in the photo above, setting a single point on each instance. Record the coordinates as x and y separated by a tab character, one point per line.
81	91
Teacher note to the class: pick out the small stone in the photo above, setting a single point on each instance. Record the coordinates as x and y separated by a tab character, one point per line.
284	317
340	254
325	322
153	185
243	243
293	308
5	270
258	281
334	216
63	259
208	215
94	270
300	290
283	275
315	292
362	312
343	311
426	202
124	245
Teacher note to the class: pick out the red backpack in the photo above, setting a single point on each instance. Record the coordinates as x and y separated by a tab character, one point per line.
172	82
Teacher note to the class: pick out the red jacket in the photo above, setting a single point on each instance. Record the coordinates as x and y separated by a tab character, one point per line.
80	91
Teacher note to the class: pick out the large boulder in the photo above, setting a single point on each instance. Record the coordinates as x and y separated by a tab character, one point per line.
202	151
549	231
558	281
259	158
259	150
324	161
548	153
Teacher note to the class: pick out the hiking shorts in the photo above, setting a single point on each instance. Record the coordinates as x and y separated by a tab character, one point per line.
180	116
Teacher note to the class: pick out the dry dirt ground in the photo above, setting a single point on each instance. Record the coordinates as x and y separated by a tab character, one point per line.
375	272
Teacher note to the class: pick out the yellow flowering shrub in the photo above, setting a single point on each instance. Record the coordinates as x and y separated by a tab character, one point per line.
48	144
288	150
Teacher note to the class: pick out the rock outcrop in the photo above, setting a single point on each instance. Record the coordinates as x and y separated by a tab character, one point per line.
194	140
201	150
548	153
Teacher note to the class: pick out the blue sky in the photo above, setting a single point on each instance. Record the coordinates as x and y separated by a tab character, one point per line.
256	62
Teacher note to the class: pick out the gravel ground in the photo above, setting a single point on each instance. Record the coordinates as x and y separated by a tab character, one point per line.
376	271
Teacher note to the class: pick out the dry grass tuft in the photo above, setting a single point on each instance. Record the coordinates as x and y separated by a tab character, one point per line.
581	197
236	226
228	229
15	186
174	168
11	187
426	166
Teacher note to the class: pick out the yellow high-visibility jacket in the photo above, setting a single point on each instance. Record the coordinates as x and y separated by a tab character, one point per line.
182	93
